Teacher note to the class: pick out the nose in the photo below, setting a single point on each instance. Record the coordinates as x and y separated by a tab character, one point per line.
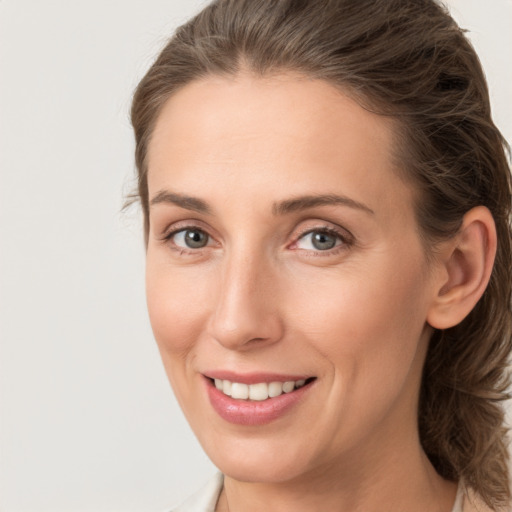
246	313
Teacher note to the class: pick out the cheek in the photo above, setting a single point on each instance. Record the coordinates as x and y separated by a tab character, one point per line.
359	297
367	321
177	307
368	326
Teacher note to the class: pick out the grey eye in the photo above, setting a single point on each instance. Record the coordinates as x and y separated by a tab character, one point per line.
318	241
191	239
323	241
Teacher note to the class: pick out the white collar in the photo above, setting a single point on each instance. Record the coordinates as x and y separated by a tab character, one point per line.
205	499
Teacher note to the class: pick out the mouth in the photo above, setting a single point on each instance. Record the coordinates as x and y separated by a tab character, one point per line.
258	391
255	399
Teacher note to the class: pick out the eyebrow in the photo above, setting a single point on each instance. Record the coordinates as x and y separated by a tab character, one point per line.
311	201
183	201
280	208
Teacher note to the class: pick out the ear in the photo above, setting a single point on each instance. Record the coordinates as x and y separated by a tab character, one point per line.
465	263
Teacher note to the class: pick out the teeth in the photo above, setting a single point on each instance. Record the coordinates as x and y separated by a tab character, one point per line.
275	389
240	391
259	391
288	386
226	387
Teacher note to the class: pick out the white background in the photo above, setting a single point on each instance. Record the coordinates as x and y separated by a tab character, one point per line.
87	419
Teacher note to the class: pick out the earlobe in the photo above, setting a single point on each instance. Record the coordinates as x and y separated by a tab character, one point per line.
467	262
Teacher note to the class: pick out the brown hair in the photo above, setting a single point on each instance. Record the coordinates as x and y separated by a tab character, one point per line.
407	59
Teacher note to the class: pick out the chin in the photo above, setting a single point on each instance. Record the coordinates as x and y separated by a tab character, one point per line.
259	471
252	460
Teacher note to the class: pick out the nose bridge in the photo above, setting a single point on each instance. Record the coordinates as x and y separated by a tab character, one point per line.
245	311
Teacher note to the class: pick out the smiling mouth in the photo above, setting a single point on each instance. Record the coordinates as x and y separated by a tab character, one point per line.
259	391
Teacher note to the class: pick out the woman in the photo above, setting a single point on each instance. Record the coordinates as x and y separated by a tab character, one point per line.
327	215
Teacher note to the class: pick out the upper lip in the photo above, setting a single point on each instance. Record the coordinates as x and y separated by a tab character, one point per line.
254	377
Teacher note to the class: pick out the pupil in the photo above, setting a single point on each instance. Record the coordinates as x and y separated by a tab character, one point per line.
195	239
323	241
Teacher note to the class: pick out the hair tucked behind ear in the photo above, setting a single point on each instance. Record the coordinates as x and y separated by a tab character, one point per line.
409	60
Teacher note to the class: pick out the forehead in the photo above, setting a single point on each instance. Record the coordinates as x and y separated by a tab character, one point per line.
222	109
285	130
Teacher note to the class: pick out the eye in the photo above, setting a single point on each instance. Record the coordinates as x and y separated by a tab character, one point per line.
190	238
320	240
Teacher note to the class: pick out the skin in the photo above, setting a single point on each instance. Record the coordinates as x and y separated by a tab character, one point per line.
260	297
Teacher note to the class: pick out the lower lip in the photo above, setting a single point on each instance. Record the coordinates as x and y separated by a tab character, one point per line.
247	412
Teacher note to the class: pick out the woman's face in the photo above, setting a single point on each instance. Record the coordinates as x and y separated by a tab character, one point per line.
283	247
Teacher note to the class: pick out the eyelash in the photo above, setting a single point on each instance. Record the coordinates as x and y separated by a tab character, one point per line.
344	237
